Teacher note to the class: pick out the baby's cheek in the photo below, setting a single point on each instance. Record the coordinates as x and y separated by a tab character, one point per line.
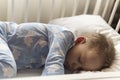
92	65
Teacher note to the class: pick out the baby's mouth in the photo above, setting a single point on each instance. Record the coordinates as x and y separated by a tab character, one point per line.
66	65
69	67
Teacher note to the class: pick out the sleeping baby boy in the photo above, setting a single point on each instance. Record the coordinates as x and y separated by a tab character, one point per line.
33	45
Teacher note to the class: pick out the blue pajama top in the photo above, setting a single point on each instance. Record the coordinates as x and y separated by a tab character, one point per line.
32	45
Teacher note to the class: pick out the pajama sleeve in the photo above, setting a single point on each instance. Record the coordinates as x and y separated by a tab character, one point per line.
59	44
7	62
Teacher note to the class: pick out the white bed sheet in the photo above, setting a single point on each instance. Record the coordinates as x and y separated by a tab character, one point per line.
83	76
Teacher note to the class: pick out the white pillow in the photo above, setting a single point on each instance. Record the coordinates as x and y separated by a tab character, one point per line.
92	23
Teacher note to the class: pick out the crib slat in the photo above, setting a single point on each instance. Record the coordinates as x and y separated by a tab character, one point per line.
63	7
52	9
86	6
105	8
113	11
118	26
97	7
12	10
26	11
39	10
74	8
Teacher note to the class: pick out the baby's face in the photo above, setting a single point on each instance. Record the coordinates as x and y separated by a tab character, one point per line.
80	57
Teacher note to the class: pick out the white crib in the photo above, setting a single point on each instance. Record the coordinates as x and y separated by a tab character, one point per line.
46	10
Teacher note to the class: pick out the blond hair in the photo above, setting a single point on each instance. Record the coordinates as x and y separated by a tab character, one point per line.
103	45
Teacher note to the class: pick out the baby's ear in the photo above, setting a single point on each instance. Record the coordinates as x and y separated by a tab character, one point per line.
80	39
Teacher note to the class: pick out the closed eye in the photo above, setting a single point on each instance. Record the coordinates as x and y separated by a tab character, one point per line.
79	60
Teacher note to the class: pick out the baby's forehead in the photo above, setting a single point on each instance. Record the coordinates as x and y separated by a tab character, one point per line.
96	51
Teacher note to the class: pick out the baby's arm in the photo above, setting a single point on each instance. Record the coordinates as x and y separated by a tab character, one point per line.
59	45
7	63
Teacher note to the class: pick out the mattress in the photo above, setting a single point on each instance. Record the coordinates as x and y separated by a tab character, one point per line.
83	76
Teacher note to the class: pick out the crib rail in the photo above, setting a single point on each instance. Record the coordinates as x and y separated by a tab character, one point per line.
104	8
113	11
